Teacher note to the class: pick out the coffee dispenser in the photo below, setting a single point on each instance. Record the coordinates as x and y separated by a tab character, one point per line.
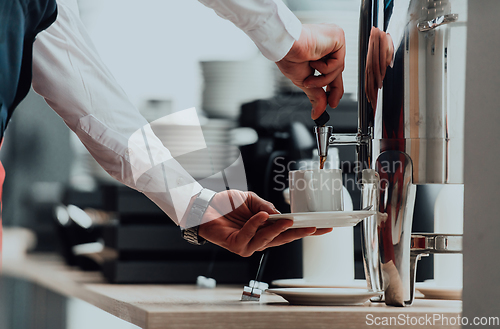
408	131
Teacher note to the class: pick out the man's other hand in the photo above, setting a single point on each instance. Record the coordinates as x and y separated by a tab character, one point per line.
244	228
320	47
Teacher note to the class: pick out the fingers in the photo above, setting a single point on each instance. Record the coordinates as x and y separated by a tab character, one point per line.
379	50
336	88
317	97
321	231
330	67
333	62
253	236
385	55
317	81
384	45
289	236
370	88
247	232
367	72
375	36
390	49
268	234
298	73
256	204
295	234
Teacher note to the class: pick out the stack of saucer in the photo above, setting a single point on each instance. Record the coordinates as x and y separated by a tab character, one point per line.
229	84
184	141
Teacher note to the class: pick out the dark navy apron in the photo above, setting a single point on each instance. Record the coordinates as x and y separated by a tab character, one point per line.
20	22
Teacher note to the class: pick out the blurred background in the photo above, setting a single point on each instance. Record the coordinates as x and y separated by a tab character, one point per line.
170	56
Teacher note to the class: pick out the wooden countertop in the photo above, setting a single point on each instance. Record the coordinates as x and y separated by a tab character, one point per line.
185	306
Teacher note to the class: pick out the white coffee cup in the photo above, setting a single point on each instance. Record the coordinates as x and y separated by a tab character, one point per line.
316	190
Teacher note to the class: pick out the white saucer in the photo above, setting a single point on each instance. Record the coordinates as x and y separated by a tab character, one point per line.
304	283
432	291
325	219
324	296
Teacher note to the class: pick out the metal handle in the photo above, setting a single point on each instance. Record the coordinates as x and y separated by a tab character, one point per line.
435	243
423	244
344	139
424	26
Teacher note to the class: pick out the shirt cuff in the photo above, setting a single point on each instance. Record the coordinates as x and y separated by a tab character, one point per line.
276	36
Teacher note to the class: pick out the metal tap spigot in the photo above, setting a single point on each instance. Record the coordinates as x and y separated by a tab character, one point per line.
325	138
323	135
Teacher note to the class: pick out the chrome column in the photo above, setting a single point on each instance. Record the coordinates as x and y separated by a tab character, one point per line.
409	135
417	136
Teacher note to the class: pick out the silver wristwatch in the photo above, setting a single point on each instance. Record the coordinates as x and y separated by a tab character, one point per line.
193	221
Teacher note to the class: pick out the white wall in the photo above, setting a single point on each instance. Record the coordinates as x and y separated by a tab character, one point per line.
153	46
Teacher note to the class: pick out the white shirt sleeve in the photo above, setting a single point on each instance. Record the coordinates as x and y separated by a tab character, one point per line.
269	23
69	74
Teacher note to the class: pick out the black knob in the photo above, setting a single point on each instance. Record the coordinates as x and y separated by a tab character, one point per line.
323	119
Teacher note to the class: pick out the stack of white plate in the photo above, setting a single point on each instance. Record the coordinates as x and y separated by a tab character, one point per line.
183	141
229	84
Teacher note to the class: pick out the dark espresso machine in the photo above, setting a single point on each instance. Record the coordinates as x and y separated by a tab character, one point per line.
408	134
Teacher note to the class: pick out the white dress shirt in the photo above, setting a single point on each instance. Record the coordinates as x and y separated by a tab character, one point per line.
269	23
69	74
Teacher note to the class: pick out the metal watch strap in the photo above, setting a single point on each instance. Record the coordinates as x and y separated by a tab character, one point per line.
193	221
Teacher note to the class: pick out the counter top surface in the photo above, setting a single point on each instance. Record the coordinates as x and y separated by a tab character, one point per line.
185	306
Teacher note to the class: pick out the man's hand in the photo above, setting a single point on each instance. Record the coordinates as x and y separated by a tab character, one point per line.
380	54
245	230
320	47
